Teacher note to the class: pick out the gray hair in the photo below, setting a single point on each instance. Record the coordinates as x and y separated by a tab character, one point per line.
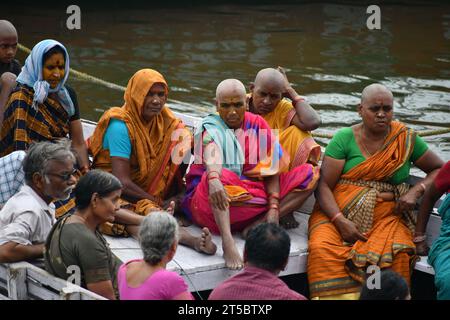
40	153
158	232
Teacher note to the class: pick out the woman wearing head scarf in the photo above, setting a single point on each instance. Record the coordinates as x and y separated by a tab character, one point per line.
43	107
136	142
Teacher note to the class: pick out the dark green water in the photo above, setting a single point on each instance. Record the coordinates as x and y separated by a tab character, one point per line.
330	53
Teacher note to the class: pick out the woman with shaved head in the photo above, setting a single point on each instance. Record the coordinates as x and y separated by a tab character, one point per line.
364	212
294	118
237	180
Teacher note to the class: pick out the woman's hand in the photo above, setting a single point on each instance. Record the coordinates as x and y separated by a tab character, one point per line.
287	85
406	202
348	230
422	248
218	197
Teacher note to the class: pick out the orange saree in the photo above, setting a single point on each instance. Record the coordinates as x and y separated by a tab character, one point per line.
335	267
151	165
299	144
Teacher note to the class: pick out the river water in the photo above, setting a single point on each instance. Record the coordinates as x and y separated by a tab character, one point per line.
329	53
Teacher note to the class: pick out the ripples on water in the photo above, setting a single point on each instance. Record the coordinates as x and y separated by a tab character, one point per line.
330	54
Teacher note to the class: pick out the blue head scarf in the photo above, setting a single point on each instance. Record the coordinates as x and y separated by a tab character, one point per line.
31	75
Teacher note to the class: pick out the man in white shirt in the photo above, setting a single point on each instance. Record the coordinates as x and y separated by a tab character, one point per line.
27	217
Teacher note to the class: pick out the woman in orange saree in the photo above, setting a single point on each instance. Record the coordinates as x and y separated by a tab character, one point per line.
136	142
364	212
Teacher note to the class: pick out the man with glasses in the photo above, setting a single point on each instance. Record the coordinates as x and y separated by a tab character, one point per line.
28	216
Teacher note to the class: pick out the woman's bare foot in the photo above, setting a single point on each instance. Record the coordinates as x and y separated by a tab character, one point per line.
289	222
232	257
205	243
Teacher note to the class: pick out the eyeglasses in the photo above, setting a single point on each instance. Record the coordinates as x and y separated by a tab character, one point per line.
376	109
64	176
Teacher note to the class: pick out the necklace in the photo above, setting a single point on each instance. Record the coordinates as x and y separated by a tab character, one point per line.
364	145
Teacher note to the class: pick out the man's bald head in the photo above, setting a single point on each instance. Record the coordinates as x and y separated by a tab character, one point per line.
270	76
7	29
230	87
375	89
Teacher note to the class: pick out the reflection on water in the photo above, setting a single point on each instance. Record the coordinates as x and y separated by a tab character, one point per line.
329	52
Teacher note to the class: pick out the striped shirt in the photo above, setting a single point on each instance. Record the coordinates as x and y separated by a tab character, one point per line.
254	284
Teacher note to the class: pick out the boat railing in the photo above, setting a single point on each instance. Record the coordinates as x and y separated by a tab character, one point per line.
25	281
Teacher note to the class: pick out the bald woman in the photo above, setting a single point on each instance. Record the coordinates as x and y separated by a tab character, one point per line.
237	180
293	117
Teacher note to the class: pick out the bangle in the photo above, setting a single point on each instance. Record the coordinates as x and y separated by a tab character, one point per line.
336	216
212	178
274	195
418	239
296	100
274	206
213	171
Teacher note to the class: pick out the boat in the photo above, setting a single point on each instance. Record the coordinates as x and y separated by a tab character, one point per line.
204	272
201	272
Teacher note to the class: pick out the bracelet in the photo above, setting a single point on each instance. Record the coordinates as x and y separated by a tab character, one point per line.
212	178
274	206
418	239
297	100
336	216
274	195
213	171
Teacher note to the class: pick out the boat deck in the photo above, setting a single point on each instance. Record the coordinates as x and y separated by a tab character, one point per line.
203	272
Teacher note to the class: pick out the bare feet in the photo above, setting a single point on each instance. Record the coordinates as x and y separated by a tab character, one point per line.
232	257
288	221
205	243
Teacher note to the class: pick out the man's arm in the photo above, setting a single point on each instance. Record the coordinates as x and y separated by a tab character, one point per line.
14	252
17	244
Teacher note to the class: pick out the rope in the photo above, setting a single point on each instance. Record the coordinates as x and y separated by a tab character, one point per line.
84	76
427	133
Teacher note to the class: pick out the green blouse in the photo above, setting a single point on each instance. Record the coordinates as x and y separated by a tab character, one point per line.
343	146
